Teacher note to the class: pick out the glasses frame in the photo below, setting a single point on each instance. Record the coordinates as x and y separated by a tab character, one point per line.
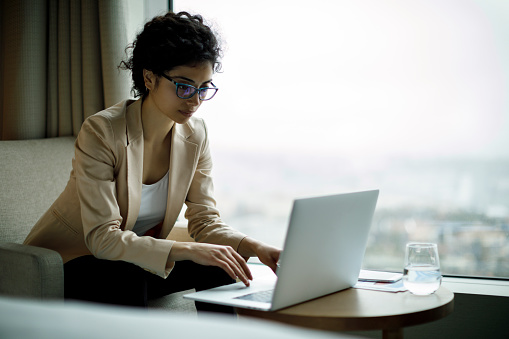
195	90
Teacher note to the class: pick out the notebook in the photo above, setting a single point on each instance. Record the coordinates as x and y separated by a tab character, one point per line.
322	254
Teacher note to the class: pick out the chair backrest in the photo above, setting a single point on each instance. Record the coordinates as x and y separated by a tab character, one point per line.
33	173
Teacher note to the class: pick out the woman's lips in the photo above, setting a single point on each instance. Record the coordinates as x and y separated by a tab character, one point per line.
187	113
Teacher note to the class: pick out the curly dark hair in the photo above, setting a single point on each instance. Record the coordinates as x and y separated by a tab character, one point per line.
169	41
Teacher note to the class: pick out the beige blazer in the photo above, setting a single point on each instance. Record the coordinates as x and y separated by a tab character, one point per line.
100	204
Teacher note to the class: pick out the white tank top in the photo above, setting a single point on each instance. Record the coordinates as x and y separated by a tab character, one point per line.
153	205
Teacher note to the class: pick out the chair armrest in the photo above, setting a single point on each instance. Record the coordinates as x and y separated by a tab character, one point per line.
29	271
179	232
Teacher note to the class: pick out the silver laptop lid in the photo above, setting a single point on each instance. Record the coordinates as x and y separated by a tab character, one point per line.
324	246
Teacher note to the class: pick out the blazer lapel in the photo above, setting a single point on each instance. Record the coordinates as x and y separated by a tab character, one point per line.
183	158
134	161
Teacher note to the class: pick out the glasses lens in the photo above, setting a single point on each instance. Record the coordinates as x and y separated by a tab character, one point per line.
185	91
207	93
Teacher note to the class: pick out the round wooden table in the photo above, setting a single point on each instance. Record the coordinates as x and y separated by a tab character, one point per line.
361	310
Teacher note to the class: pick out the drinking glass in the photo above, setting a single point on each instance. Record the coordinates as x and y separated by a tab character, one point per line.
421	275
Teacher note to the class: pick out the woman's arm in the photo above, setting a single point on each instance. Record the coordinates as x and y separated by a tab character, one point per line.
204	221
205	226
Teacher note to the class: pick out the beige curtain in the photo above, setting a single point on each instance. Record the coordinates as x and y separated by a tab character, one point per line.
59	63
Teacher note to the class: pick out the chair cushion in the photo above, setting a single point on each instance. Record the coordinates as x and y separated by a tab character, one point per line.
32	175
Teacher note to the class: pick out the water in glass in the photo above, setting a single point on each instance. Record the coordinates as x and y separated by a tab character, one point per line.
421	274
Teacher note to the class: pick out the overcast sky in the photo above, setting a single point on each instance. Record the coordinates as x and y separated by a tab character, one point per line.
364	77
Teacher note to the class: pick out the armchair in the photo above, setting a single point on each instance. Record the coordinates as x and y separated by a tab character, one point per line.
32	175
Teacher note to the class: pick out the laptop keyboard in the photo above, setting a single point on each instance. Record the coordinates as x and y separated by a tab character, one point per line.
261	296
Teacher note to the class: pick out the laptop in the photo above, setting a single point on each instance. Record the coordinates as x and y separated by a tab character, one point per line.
322	254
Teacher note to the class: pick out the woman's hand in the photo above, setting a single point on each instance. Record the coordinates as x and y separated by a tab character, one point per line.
267	254
224	257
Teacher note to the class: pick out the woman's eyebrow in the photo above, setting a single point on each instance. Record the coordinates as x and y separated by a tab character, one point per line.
190	80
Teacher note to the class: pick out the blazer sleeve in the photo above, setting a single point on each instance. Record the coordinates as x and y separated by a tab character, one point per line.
204	221
95	160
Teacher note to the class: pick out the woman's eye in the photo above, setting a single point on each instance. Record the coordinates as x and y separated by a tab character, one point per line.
185	89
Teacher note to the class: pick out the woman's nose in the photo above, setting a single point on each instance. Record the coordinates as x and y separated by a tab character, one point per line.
195	99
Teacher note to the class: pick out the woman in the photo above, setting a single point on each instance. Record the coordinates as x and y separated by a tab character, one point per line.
135	165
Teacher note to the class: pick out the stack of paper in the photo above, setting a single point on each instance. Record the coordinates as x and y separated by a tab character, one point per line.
380	281
381	286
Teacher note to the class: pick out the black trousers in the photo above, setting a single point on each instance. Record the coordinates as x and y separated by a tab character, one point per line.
121	283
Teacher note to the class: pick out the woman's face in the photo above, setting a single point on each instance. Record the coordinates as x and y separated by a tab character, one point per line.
163	92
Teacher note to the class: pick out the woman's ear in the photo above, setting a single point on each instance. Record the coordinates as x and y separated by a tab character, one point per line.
150	80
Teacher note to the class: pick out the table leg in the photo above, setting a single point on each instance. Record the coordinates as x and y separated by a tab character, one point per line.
392	333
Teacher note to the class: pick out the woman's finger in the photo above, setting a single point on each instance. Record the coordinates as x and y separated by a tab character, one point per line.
236	265
243	265
226	259
227	268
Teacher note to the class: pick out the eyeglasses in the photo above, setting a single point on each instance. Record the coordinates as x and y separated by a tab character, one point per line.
185	91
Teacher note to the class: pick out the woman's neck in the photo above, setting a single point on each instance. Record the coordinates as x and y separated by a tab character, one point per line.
156	125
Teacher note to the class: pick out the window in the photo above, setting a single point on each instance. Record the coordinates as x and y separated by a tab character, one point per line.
321	97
